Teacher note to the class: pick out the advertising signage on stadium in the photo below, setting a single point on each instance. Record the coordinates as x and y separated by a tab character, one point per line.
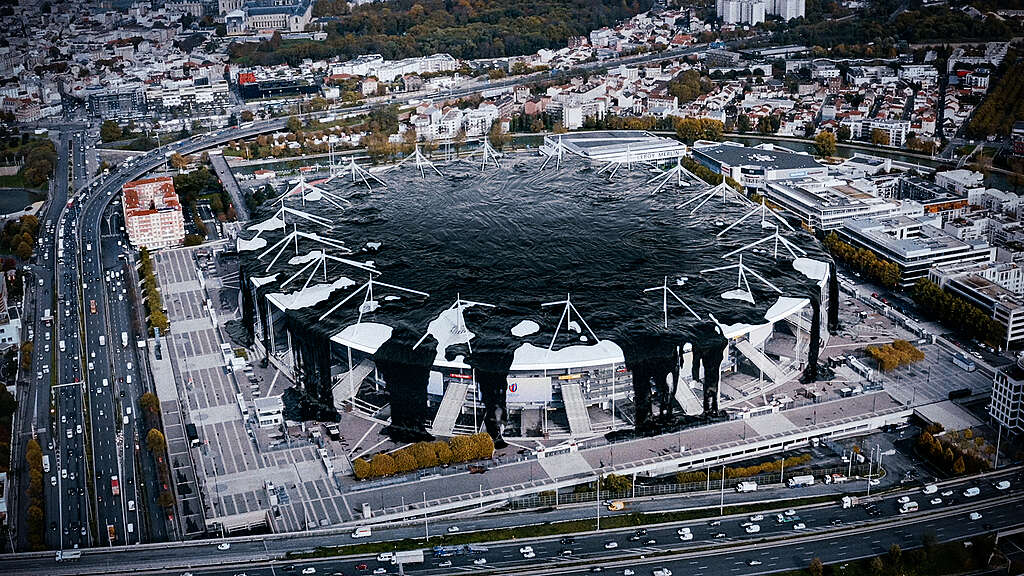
529	389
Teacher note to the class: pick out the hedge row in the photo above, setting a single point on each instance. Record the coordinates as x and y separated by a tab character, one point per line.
425	455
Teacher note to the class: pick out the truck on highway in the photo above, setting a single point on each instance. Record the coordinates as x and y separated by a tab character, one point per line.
746	487
124	339
849	501
908	507
616	505
68	555
803	480
103	340
46	462
115	488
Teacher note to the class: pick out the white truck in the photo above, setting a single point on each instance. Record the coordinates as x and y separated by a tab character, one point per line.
124	339
746	487
103	340
803	480
68	555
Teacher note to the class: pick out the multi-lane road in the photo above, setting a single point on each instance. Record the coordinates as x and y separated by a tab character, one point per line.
714	546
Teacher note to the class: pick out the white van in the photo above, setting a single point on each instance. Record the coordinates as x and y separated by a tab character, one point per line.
930	489
385	556
362	532
972	491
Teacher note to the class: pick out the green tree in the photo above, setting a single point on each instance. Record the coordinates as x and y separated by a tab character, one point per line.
616	483
247	116
293	125
825	142
843	133
110	131
497	136
742	123
877	567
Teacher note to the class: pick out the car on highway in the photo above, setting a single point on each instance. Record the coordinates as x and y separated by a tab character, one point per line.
453	529
754	563
903	500
611	545
1003	485
380	570
799	526
480	561
790	512
526	549
53	480
64	473
753	529
947	493
686	537
628	572
757	517
444	564
309	570
361	567
683	530
720	535
935	501
975	516
224	546
972	491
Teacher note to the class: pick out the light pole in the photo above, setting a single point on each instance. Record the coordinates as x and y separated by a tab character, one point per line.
426	523
721	500
871	461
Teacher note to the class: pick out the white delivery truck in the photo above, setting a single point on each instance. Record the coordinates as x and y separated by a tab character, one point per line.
124	339
746	487
803	480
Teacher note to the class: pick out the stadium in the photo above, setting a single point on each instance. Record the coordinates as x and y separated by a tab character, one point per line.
596	286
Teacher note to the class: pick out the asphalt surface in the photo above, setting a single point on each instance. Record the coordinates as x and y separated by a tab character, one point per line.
828	532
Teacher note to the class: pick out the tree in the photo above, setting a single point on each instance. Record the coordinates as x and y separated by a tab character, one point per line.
825	142
178	161
895	555
404	461
155	441
843	134
246	116
425	455
616	483
444	453
463	448
959	467
816	568
110	131
165	499
742	123
293	125
150	403
484	445
877	566
382	465
361	468
879	137
497	136
459	140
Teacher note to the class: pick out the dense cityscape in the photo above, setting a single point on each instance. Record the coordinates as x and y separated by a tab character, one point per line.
475	287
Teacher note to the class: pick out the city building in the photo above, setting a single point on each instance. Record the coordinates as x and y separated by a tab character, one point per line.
189	95
741	11
933	198
960	180
824	204
264	15
1007	404
915	245
122	103
152	213
786	9
269	411
971	284
755	167
10	321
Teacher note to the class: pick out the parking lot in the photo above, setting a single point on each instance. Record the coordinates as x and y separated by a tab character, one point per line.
235	467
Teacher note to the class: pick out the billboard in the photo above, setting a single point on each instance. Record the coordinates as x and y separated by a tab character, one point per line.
528	390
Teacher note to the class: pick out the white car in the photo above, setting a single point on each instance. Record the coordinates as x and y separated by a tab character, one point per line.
682	531
526	549
757	517
935	501
480	561
53	480
1004	485
223	546
799	526
754	563
611	545
947	493
64	473
444	564
975	516
312	570
753	529
628	572
790	512
686	537
903	500
529	555
375	571
452	529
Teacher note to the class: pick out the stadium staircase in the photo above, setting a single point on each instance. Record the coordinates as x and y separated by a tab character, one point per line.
348	383
450	408
688	401
765	364
575	410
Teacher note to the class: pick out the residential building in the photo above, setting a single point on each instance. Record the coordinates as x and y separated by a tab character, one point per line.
786	9
960	180
152	213
915	245
935	199
741	11
120	103
269	411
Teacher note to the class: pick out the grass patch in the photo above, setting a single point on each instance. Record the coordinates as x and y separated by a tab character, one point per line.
636	519
12	181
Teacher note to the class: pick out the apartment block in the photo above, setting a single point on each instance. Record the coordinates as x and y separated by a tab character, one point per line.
152	213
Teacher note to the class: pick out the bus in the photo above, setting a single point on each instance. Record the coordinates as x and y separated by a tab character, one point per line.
964	362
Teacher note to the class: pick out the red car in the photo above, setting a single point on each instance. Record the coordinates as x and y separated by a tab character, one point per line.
361	567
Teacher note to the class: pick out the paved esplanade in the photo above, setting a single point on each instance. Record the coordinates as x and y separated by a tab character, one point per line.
530	476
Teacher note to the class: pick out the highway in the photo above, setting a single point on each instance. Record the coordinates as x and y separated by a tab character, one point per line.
725	547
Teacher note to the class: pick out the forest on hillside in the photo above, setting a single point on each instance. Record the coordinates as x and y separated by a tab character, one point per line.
463	28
